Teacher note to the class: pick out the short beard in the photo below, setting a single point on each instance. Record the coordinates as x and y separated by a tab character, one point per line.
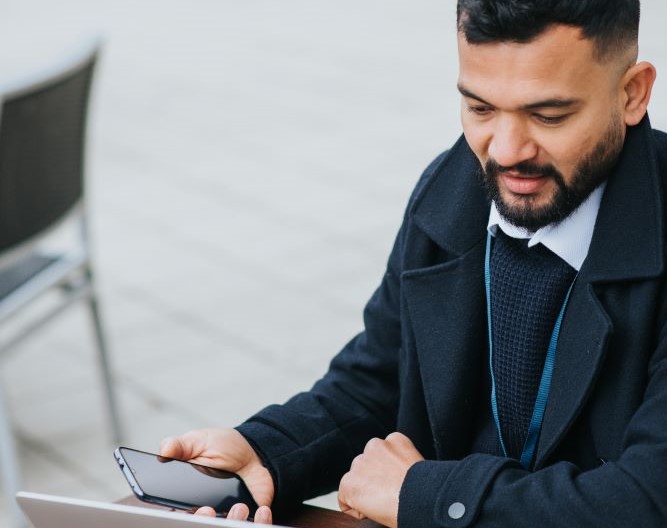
591	171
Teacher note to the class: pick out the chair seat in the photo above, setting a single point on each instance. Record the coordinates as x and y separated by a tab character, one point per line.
22	271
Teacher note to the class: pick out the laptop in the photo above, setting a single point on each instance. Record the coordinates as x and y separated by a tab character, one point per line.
50	511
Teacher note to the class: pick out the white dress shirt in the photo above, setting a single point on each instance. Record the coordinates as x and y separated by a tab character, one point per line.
569	239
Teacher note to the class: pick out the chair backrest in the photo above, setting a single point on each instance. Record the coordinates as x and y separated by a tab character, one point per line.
42	139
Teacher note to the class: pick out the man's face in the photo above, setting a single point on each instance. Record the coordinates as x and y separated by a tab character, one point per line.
543	119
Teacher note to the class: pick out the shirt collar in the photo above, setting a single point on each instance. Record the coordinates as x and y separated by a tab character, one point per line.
569	239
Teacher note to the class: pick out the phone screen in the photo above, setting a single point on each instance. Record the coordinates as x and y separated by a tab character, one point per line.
182	484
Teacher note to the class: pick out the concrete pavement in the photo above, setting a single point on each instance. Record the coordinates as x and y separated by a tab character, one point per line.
249	165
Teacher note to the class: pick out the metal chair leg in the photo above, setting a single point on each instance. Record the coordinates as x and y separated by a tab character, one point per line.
11	479
103	357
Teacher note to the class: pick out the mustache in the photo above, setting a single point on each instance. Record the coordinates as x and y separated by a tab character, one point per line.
492	168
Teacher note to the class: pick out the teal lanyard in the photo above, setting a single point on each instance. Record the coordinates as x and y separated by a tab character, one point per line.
535	426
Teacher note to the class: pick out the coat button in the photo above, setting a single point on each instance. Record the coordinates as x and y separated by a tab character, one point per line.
456	510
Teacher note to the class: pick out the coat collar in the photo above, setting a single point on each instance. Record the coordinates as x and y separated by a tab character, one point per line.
453	210
632	209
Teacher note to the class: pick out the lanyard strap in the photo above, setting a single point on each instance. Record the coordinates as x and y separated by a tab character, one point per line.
535	426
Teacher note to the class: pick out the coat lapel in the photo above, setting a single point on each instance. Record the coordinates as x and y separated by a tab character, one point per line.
580	353
446	309
626	246
446	301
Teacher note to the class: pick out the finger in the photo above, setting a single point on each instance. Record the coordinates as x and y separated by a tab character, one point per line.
398	438
171	447
356	461
403	447
238	512
184	447
206	511
342	492
260	483
354	513
263	515
342	505
373	445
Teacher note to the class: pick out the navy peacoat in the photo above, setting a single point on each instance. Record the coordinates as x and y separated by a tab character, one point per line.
418	368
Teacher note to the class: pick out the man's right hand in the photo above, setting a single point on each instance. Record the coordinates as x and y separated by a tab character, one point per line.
226	449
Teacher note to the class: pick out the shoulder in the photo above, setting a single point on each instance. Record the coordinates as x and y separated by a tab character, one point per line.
660	136
427	177
660	145
660	139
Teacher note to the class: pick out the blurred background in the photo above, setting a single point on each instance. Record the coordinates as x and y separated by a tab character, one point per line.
248	166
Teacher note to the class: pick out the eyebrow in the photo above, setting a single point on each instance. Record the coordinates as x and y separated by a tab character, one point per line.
546	103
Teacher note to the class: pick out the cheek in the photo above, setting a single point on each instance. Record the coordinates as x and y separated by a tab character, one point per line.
567	148
565	153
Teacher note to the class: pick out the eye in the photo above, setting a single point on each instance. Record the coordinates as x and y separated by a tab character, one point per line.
480	110
551	120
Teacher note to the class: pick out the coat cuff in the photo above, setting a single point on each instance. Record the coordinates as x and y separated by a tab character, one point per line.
271	446
447	494
303	465
269	443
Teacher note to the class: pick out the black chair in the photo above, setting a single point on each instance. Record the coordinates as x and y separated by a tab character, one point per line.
42	137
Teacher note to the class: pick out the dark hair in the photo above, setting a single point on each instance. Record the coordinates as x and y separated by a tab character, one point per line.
613	25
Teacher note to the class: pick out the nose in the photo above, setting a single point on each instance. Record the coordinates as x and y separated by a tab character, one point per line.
511	143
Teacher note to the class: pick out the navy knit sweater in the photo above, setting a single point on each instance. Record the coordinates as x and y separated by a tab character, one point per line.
528	287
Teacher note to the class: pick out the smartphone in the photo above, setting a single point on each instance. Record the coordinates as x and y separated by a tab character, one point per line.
182	485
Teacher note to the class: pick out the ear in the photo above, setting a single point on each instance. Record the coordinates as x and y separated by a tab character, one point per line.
637	85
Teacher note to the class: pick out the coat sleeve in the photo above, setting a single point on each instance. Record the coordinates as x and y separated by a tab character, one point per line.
486	491
309	442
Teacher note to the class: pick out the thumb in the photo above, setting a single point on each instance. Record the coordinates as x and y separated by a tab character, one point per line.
172	447
260	484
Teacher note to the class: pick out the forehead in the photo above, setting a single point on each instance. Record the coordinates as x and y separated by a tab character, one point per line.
558	63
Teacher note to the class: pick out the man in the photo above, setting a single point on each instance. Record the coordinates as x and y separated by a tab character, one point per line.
513	367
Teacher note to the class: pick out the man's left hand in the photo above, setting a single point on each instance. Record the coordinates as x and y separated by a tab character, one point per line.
373	484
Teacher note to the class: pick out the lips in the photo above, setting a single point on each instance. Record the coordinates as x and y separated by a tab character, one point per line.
518	183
